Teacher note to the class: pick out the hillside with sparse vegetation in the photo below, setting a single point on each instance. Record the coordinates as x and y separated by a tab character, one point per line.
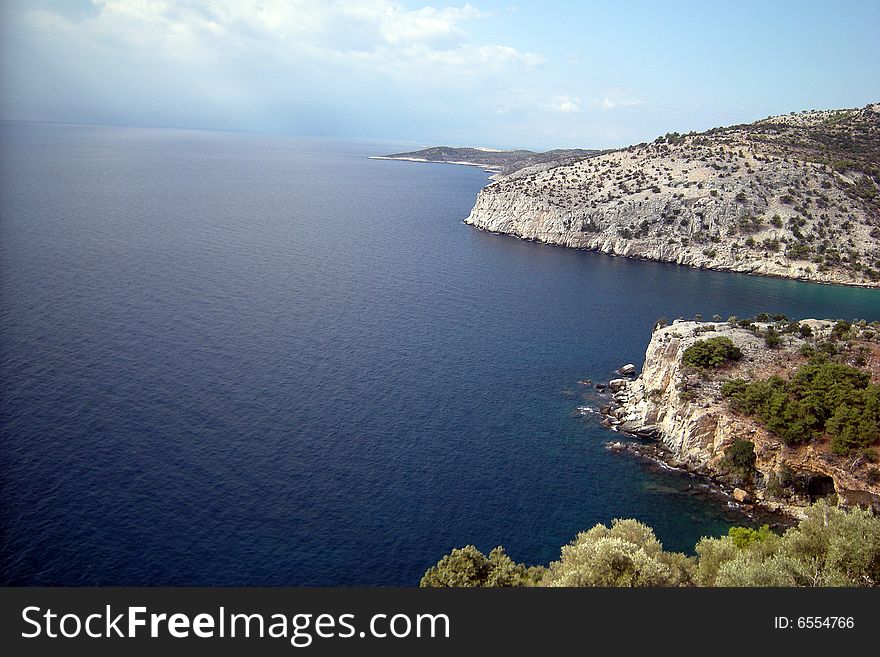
796	196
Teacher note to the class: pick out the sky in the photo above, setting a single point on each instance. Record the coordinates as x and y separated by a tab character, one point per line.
534	75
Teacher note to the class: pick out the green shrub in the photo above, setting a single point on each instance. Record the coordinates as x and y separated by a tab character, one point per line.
745	536
468	567
733	387
830	547
626	554
798	251
827	347
807	350
713	352
739	457
841	328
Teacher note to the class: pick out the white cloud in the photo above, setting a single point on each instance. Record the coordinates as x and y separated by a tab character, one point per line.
564	105
611	103
311	66
425	25
376	34
481	57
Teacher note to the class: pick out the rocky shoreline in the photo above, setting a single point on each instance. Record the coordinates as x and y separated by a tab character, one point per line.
643	443
748	271
677	417
702	483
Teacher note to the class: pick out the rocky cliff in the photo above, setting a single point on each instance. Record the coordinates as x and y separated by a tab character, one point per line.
683	410
795	196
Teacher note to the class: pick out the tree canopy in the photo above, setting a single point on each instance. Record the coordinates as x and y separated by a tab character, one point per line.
830	547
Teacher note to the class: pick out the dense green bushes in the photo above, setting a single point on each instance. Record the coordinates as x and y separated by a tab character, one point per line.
822	397
830	547
713	352
626	554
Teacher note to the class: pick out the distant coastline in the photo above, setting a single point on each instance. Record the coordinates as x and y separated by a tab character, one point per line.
499	162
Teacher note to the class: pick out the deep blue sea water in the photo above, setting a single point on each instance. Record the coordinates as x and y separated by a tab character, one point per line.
247	359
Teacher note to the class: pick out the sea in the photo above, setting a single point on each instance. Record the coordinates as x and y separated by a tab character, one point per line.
249	359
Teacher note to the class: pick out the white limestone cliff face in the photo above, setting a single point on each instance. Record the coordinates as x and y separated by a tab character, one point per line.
728	202
695	430
691	420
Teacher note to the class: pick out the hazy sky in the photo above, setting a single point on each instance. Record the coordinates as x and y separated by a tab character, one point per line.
530	74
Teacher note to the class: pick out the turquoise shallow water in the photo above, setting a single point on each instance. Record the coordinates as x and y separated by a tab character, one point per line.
245	359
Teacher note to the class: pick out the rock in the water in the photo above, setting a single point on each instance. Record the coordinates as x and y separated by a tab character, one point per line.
627	370
741	496
616	384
